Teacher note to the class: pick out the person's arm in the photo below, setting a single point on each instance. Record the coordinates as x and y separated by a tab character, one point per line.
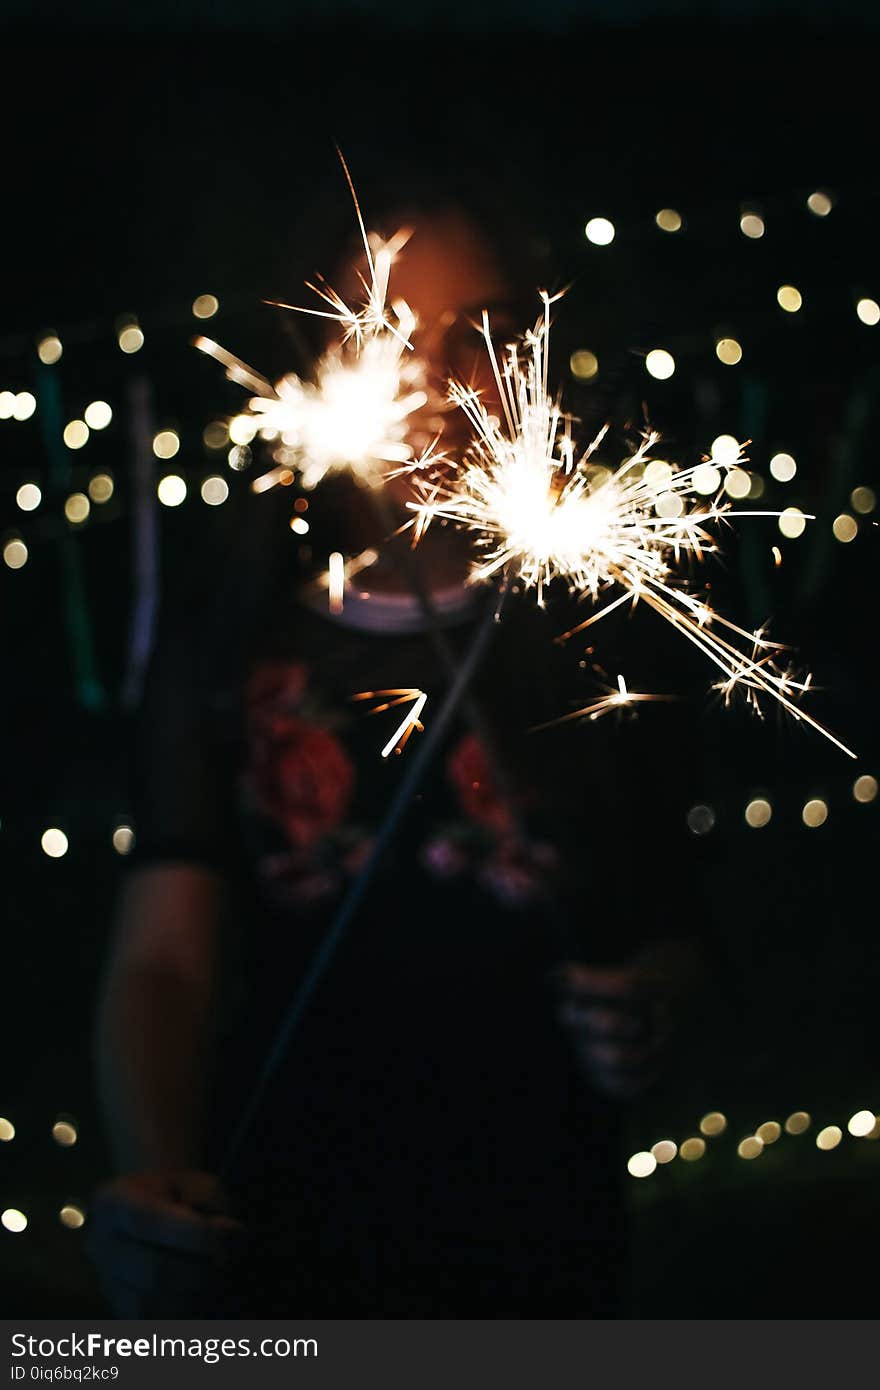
156	1019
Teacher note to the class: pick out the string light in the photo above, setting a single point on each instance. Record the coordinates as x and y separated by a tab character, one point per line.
728	351
828	1138
664	1150
54	842
130	338
205	306
783	467
584	365
692	1149
751	1147
751	225
845	528
713	1124
72	1217
668	220
641	1165
15	553
815	813
758	813
214	490
861	1123
819	204
13	1220
660	364
865	788
599	231
768	1132
863	499
789	298
798	1122
76	434
77	508
792	523
166	444
101	488
868	311
49	349
98	415
171	490
28	497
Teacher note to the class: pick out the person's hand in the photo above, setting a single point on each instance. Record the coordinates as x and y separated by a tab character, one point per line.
619	1019
161	1242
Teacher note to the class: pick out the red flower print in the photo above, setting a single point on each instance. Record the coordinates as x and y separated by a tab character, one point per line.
300	777
274	691
471	777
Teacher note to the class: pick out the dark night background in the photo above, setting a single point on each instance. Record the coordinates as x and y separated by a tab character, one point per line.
186	155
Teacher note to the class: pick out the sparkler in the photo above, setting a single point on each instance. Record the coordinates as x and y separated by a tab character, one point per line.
535	504
355	414
390	700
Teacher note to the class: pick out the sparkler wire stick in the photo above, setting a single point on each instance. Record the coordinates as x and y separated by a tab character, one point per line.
348	909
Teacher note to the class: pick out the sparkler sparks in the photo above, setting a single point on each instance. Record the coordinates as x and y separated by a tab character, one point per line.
355	414
390	699
537	506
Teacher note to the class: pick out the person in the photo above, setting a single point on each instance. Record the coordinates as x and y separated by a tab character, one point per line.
441	1141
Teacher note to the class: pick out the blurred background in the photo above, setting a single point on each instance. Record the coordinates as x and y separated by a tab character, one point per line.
702	177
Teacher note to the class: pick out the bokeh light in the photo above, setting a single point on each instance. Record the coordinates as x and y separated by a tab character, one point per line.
49	349
815	813
215	435
828	1138
664	1150
769	1131
738	483
28	497
7	1130
584	364
72	1217
783	467
706	478
792	523
171	490
166	444
130	338
864	500
15	553
76	433
599	231
700	819
13	1220
54	842
692	1149
758	813
798	1122
64	1133
641	1165
299	526
205	306
660	364
789	298
24	405
865	788
98	415
751	1147
752	226
845	528
123	839
77	508
214	490
819	203
713	1124
668	220
725	450
728	351
868	311
101	487
861	1123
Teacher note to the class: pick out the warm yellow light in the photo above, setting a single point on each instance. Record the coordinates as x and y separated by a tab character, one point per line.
669	505
725	450
28	497
758	813
7	405
641	1165
101	487
130	338
783	467
828	1138
166	444
668	220
98	415
798	1122
72	1217
76	433
664	1150
769	1131
845	528
713	1124
299	526
205	306
215	435
738	483
64	1133
215	490
660	364
15	553
54	843
815	813
239	457
865	788
861	1123
820	204
868	311
49	349
123	839
658	475
751	225
13	1220
752	1147
77	508
692	1149
171	490
24	405
706	479
728	351
864	500
789	298
7	1131
756	486
584	364
792	523
242	429
599	231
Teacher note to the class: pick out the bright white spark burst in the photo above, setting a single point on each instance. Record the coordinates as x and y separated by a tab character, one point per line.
538	508
355	414
390	699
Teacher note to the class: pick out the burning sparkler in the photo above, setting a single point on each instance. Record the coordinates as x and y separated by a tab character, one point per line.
356	413
390	699
537	507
